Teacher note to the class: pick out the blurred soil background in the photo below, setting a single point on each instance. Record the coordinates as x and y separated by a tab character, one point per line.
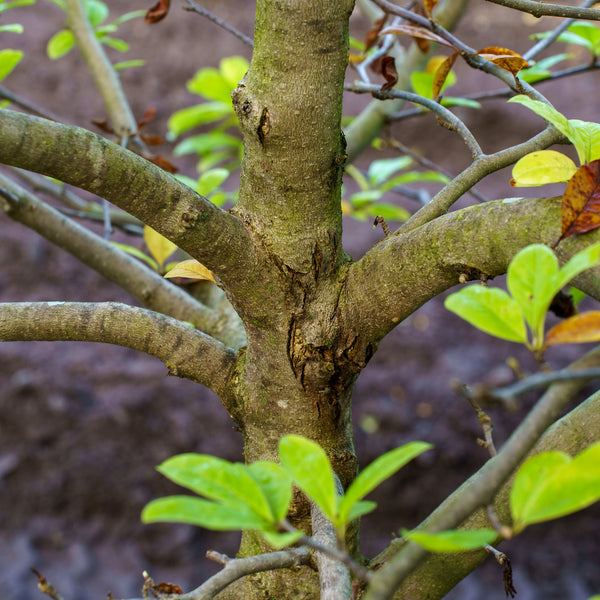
82	426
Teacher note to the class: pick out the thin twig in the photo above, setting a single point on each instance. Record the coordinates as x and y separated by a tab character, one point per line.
541	9
453	122
194	7
46	587
27	105
503	560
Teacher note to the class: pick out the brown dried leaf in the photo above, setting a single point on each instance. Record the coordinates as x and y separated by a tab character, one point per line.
163	163
152	140
415	32
388	70
506	59
581	201
430	5
373	34
168	588
147	117
441	73
576	330
158	12
423	45
191	269
103	125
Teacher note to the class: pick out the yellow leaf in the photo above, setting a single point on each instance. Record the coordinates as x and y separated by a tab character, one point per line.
160	247
576	330
191	269
541	168
346	208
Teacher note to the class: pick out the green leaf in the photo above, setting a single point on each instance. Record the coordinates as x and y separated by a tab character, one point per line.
583	34
4	6
380	170
583	260
414	177
456	540
134	14
541	69
137	253
379	470
127	64
275	485
219	480
60	44
361	199
458	101
233	68
206	143
210	84
541	168
9	59
97	12
490	309
281	540
309	467
532	277
390	212
188	118
210	180
196	511
552	485
117	44
422	83
359	509
12	28
589	138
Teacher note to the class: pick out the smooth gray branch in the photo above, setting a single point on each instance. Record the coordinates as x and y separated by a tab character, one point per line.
481	488
475	172
541	9
452	122
195	7
147	286
185	351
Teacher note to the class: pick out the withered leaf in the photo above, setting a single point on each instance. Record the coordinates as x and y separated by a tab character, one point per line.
415	32
388	70
152	140
168	588
373	33
103	125
506	59
163	163
158	12
422	44
191	269
147	116
430	5
441	73
579	329
580	210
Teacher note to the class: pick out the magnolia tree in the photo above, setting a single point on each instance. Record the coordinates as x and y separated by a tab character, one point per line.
285	320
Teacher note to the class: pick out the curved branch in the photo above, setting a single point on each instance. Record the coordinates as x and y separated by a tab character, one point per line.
402	272
148	287
541	9
185	351
480	489
475	172
79	157
452	121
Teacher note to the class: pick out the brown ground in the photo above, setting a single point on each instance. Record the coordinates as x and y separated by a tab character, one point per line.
82	426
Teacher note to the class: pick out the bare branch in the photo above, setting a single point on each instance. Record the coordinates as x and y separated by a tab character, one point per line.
334	576
195	7
452	122
148	287
484	485
185	351
105	76
541	9
26	104
79	157
475	172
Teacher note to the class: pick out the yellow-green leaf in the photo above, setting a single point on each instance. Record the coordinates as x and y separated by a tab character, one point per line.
541	168
191	269
160	247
